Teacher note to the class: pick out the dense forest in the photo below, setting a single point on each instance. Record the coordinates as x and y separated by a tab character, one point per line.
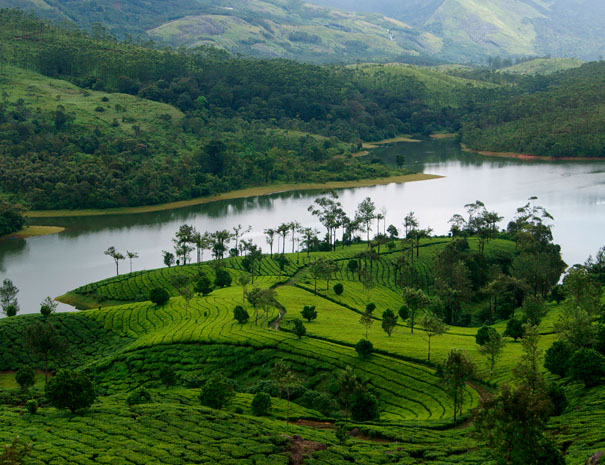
138	125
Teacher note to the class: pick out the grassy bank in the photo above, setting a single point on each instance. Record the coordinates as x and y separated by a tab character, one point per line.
33	231
525	156
238	194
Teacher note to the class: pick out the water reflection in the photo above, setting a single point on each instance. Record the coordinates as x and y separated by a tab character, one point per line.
573	192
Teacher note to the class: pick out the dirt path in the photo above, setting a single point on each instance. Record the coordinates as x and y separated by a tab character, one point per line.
291	282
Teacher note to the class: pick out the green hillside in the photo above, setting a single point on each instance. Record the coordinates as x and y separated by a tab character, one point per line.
125	343
542	66
559	116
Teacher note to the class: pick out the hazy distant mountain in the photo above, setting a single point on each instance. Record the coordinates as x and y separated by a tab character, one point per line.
472	28
265	28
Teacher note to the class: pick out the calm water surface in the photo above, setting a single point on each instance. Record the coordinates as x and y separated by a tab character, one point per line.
573	192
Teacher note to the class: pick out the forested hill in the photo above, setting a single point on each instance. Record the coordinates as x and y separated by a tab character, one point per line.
184	124
563	116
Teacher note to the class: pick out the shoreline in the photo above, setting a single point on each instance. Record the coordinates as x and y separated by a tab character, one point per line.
237	194
366	146
33	231
525	156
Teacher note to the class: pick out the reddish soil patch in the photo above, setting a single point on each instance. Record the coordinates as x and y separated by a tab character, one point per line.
300	449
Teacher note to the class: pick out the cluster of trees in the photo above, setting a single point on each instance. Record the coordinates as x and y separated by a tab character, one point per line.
557	115
11	218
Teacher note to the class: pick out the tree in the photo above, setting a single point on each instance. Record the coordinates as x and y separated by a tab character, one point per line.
483	335
329	212
168	376
8	296
393	232
364	348
243	280
240	314
492	349
348	384
588	366
282	262
117	256
25	377
261	404
514	329
338	288
322	268
182	284
404	312
364	407
286	380
217	391
309	313
367	281
222	278
389	321
366	213
46	341
48	306
239	231
131	256
456	370
203	285
366	318
415	299
168	258
270	238
582	289
433	326
299	328
557	356
159	296
533	309
71	390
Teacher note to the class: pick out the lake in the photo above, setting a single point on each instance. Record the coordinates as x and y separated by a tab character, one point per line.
573	192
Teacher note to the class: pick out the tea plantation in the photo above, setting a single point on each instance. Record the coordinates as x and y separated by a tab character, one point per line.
126	343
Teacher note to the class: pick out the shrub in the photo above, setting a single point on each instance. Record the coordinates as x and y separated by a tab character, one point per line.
217	391
370	307
31	406
364	407
12	310
25	377
483	335
159	296
167	376
261	404
557	397
240	314
342	435
138	396
319	401
364	348
99	109
514	329
309	313
70	389
404	312
299	328
353	266
203	285
339	288
588	366
557	357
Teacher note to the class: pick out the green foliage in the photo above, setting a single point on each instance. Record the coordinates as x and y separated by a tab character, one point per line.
587	366
514	329
240	314
217	392
71	390
483	335
389	321
168	375
32	406
364	348
456	370
25	377
342	434
48	307
364	407
557	358
11	218
309	313
558	399
339	287
138	396
404	312
159	296
533	310
16	452
261	404
222	278
203	285
299	328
